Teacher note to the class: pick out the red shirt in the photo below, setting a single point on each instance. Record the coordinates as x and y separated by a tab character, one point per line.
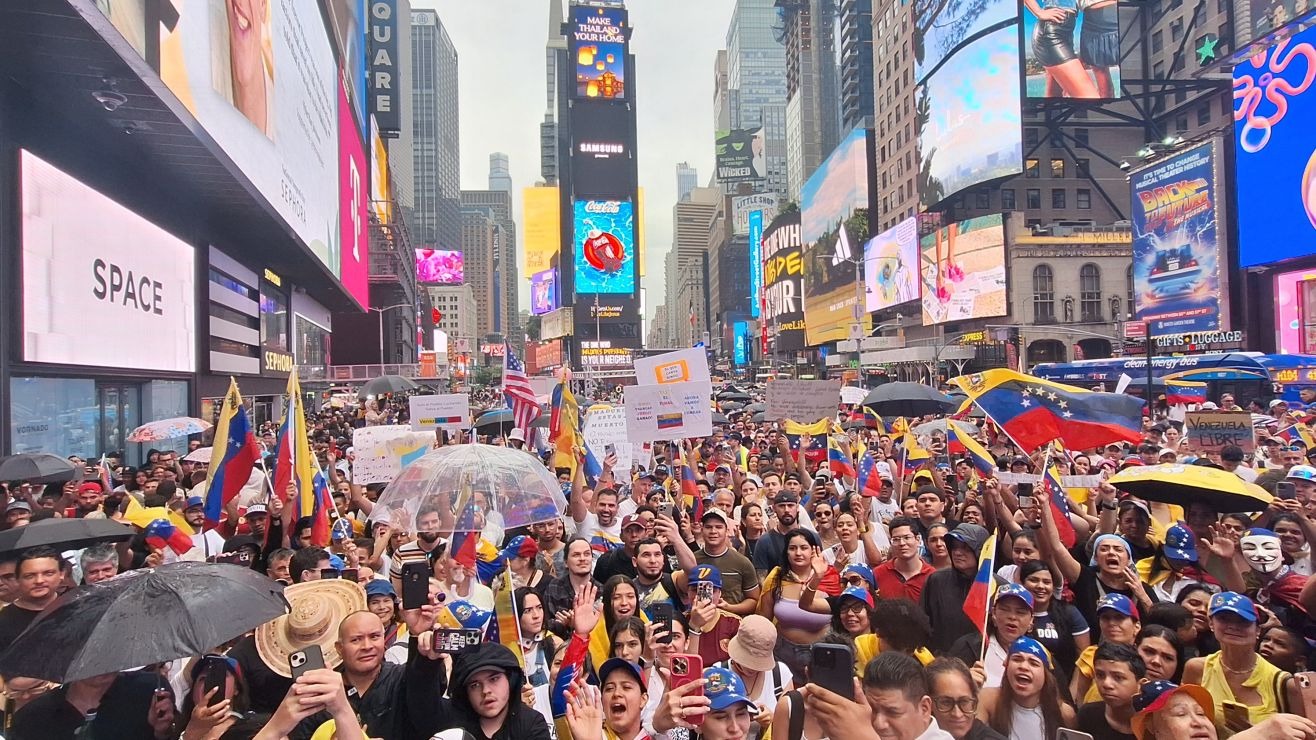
892	585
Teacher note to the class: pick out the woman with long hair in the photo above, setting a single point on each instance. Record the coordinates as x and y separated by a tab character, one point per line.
1196	598
854	542
1027	706
753	525
627	639
938	555
1023	549
955	700
800	621
1161	652
199	717
1057	624
620	600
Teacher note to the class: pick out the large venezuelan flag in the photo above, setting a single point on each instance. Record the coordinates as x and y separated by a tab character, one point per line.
233	436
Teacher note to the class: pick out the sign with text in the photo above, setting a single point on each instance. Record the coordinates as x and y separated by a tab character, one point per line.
669	411
805	401
605	431
681	366
1209	431
853	394
451	411
383	451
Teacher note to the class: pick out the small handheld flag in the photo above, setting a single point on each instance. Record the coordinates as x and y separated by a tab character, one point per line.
162	533
983	588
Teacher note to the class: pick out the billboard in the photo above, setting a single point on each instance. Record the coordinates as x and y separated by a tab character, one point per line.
891	266
263	88
1295	312
969	126
98	278
783	282
743	205
940	28
741	155
381	186
740	343
602	157
598	43
1255	19
1177	243
756	222
440	267
385	72
543	292
604	246
1274	169
353	205
1053	67
834	218
962	269
542	240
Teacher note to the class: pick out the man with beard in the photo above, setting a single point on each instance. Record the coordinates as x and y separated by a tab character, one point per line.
561	592
652	585
621	561
946	590
207	543
426	547
600	525
740	581
373	685
768	551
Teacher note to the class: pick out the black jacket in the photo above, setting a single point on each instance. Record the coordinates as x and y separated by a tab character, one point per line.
946	591
428	711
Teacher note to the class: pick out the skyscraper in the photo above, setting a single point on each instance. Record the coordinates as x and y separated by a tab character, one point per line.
497	206
436	152
500	173
554	50
479	242
807	29
855	59
687	179
756	83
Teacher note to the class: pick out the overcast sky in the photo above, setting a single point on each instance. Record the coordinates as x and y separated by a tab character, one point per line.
500	44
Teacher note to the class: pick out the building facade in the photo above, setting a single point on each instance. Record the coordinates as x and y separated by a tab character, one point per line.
499	205
756	84
500	172
436	135
807	30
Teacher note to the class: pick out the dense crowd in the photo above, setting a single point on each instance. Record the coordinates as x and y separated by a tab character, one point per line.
740	585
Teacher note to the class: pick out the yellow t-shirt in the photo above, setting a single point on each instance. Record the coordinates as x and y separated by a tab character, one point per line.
1266	680
866	647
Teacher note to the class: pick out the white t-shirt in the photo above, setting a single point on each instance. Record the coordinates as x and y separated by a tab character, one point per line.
589	526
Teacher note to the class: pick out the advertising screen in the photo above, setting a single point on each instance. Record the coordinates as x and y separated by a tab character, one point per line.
543	292
97	278
833	227
440	267
756	222
783	283
1074	52
741	155
891	266
740	343
1295	312
1177	243
743	205
1275	170
598	42
942	26
602	157
972	131
963	271
543	233
605	246
353	205
262	85
1255	19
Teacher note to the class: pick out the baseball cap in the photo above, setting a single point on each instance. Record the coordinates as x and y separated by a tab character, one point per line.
723	688
785	497
1235	603
862	594
341	530
705	574
1302	472
18	506
255	509
923	475
380	587
1015	591
1180	544
823	473
663	469
613	664
194	502
644	474
711	511
1118	602
1277	402
91	485
631	520
1155	695
1019	460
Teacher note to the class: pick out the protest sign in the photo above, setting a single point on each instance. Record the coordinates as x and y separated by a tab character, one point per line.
606	428
1209	431
669	411
451	411
681	366
853	394
381	452
805	401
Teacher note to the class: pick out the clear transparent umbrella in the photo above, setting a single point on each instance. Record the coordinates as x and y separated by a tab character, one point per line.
514	483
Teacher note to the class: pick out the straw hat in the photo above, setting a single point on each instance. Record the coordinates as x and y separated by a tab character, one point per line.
317	608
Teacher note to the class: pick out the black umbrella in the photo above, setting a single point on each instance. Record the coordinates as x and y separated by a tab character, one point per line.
498	421
757	418
720	418
64	534
143	617
731	405
37	467
756	407
908	399
386	384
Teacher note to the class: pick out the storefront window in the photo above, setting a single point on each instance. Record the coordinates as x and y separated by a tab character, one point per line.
165	399
55	415
273	317
312	346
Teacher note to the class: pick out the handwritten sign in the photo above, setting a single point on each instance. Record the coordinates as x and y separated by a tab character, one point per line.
670	411
380	453
805	401
606	428
681	366
1209	431
451	411
853	394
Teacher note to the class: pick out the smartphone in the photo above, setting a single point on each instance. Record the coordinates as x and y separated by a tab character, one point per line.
70	512
244	557
1027	502
1024	489
665	509
309	659
688	669
1236	715
832	667
348	574
329	574
450	640
704	591
415	585
1286	490
609	450
662	616
1306	681
216	678
1067	734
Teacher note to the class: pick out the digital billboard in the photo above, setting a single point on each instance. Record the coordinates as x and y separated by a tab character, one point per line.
543	292
834	223
741	155
969	125
942	26
1275	169
97	278
1177	242
891	266
604	246
1295	312
1071	49
756	222
260	79
598	42
783	283
1256	19
542	240
740	343
353	205
603	155
440	267
962	271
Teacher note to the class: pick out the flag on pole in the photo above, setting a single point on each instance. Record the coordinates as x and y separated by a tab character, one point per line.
973	450
505	627
1034	411
564	426
1184	392
869	482
984	586
233	437
106	483
837	461
1058	503
517	391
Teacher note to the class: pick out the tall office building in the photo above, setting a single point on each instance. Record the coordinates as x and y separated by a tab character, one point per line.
807	29
554	52
756	83
497	204
500	173
687	179
436	152
855	60
479	244
893	112
686	265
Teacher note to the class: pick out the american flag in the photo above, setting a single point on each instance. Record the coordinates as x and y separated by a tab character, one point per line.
516	389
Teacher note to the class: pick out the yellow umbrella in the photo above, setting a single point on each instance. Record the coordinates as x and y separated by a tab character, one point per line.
1182	484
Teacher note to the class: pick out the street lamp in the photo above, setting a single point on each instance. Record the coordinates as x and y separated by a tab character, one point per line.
381	311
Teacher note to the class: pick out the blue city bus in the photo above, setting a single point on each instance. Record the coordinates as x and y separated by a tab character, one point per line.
1247	375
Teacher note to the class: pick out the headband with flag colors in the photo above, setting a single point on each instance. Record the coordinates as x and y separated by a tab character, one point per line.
1034	412
234	439
983	588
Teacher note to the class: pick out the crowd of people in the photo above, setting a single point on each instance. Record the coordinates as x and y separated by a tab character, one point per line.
739	585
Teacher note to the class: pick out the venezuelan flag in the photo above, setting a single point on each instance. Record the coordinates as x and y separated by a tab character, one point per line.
295	470
913	455
817	431
873	421
505	627
1055	499
978	455
690	492
564	426
573	665
837	461
984	586
1184	392
162	533
869	482
233	436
